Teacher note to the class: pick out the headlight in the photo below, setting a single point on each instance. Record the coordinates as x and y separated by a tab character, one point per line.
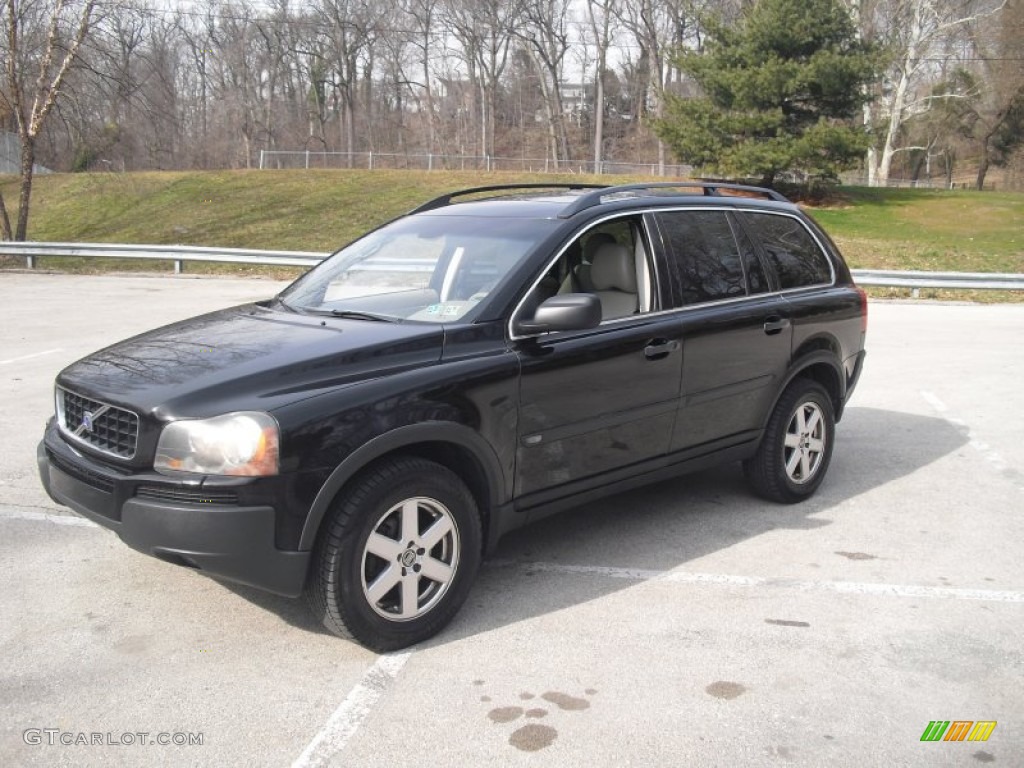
243	443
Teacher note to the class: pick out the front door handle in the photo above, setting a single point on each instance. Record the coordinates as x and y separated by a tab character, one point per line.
775	324
660	348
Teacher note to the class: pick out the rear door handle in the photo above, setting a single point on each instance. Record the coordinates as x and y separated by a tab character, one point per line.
775	324
660	348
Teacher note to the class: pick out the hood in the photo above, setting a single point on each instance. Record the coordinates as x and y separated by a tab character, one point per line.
248	357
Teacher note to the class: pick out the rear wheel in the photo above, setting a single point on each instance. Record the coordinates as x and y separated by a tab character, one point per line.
398	556
796	449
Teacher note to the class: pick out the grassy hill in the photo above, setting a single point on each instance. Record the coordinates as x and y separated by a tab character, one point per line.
320	210
939	230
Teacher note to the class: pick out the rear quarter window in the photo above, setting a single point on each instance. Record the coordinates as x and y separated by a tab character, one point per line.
790	250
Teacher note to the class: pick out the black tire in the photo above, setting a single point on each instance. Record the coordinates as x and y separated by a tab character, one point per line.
349	570
767	470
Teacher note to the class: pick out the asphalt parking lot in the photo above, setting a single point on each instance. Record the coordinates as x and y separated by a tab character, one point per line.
686	624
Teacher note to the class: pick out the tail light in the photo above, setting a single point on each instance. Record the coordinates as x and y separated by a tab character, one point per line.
863	310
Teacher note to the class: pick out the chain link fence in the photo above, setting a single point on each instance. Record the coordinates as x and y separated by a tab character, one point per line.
282	159
298	158
861	180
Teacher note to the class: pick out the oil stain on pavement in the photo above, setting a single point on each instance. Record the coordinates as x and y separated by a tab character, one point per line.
534	737
723	689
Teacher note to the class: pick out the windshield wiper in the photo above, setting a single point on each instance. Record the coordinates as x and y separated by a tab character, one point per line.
356	315
285	304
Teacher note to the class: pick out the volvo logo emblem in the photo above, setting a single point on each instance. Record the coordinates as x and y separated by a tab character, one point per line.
88	423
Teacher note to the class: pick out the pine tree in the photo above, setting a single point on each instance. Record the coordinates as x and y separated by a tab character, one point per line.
779	92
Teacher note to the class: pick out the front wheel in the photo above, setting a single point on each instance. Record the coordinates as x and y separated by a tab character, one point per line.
796	449
396	559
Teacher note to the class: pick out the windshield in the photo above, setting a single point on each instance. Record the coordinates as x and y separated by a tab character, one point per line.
426	268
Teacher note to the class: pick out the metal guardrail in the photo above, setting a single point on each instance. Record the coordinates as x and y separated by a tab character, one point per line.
179	254
176	253
980	281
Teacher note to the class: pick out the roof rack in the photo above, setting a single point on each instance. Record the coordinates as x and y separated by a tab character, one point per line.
710	189
443	200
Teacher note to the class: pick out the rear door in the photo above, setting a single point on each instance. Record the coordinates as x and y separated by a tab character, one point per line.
736	331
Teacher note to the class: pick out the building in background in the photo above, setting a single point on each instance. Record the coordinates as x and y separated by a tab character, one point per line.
10	154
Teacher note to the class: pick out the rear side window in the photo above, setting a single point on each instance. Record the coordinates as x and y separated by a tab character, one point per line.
790	250
706	261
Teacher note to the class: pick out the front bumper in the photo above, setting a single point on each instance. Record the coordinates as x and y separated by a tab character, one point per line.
219	539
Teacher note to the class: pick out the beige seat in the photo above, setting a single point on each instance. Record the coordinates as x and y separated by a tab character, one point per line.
578	280
613	274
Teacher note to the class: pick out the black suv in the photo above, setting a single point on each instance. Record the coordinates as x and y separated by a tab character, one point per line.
367	435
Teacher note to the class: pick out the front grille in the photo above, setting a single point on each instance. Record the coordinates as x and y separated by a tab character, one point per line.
87	476
186	495
106	427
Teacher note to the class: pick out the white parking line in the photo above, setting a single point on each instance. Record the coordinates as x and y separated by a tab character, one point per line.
350	714
987	452
28	357
729	580
12	513
357	704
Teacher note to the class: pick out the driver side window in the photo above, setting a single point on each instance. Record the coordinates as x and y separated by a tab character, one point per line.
608	261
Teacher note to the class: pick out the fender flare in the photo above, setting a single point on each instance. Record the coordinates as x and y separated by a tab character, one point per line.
800	365
395	440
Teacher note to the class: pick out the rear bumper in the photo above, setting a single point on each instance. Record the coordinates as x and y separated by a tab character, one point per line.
224	540
854	377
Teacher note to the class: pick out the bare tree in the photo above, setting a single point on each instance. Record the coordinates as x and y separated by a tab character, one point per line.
659	27
545	34
422	16
484	29
601	16
197	35
119	105
56	30
350	29
995	119
272	34
239	66
212	84
918	35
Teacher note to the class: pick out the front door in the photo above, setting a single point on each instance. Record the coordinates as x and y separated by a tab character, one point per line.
596	401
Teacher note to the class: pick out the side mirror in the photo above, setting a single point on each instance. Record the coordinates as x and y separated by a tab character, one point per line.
568	312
